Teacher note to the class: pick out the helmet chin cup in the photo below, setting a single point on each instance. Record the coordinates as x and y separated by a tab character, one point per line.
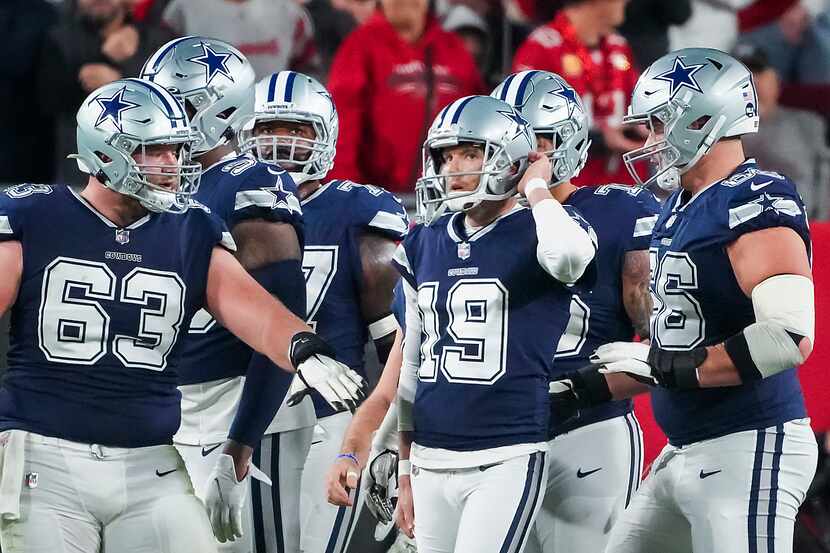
462	203
669	180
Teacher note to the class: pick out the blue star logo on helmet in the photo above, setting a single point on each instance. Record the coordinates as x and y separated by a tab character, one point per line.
681	75
569	94
214	63
113	107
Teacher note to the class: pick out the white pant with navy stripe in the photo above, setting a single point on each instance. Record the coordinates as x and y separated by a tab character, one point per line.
72	497
326	528
593	472
271	518
486	509
735	494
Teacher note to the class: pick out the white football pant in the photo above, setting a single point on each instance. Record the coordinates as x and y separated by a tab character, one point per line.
735	494
271	517
326	528
486	509
82	498
593	471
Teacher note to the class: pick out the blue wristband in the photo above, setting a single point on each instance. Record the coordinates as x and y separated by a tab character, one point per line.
351	456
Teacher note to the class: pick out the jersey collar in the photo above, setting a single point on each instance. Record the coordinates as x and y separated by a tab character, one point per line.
106	221
316	193
679	208
456	222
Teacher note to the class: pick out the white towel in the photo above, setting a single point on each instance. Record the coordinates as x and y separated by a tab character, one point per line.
12	447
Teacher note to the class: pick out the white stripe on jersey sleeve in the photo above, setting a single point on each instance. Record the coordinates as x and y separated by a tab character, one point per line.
401	259
644	225
228	241
747	211
5	226
266	198
389	221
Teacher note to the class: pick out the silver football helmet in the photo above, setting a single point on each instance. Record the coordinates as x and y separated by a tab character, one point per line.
555	110
214	82
506	139
295	97
122	119
690	99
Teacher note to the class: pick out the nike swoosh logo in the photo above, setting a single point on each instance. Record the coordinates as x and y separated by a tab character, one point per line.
317	442
206	452
708	474
482	468
755	187
647	93
165	473
580	474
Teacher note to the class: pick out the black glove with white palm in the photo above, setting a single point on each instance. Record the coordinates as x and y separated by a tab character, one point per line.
575	391
674	370
316	368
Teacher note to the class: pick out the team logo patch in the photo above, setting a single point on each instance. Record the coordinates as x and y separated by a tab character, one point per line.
122	236
31	480
464	250
213	62
681	75
113	107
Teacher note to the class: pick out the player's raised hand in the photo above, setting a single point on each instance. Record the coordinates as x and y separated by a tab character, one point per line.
381	483
342	477
316	368
540	167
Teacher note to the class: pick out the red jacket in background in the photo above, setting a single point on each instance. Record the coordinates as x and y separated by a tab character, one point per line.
379	85
603	76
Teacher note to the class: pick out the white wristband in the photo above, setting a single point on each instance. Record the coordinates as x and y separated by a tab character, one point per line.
404	467
535	183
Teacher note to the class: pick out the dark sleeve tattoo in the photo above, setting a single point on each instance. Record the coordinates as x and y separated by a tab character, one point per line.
636	295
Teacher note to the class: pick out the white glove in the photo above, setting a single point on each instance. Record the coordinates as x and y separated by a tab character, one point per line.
225	497
380	484
339	385
625	357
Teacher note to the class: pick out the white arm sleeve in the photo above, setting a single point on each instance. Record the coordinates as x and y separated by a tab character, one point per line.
411	359
386	436
565	249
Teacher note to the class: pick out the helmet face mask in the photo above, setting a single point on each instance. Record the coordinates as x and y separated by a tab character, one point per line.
555	112
294	98
505	140
689	100
120	127
213	80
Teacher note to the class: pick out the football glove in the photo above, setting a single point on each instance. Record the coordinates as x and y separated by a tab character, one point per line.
575	391
673	370
339	385
225	497
380	483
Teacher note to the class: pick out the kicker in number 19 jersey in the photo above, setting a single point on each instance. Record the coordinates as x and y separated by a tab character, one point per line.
491	318
97	326
698	302
622	217
335	217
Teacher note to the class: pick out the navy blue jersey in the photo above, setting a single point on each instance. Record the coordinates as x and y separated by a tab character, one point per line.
622	217
491	318
335	217
235	189
399	305
97	325
697	300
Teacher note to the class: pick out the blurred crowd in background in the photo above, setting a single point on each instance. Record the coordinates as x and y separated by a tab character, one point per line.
391	65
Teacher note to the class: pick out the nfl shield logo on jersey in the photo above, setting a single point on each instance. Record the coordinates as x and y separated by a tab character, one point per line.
464	250
122	236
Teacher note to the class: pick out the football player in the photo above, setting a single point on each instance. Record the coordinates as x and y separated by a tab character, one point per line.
487	291
733	315
351	233
100	285
258	203
594	460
